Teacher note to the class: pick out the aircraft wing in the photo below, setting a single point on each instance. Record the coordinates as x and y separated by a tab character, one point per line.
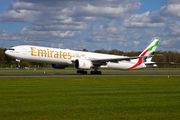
116	59
162	63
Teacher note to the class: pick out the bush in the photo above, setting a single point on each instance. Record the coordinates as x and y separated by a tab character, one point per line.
24	64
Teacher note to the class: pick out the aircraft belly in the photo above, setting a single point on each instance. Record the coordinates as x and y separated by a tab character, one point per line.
119	66
44	59
123	66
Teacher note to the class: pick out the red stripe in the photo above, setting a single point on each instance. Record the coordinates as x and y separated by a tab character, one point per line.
139	61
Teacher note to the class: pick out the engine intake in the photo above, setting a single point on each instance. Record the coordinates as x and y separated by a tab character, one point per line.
83	64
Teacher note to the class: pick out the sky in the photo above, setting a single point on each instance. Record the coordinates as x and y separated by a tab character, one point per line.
125	25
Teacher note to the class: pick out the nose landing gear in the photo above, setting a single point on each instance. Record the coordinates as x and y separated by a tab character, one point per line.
81	71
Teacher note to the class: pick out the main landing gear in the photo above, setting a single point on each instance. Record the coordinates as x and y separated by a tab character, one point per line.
96	72
92	72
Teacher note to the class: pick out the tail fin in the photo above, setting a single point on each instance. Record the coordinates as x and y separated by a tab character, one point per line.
149	51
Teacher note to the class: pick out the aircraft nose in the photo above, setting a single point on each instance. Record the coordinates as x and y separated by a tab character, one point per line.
7	52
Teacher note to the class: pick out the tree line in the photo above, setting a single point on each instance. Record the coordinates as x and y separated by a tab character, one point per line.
160	56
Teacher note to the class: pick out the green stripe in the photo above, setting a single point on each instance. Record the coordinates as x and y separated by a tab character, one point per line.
153	45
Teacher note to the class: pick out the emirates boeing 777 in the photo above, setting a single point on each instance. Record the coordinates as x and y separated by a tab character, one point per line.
61	58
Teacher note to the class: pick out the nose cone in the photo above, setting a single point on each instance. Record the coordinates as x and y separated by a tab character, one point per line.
6	52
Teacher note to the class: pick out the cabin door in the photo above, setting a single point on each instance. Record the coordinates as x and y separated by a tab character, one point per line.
24	51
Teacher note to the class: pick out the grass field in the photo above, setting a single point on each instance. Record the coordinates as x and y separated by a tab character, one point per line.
73	71
132	98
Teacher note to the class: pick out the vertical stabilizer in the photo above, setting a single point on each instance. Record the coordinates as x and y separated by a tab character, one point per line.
147	52
150	49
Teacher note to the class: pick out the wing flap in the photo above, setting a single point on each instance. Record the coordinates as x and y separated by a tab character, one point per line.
117	59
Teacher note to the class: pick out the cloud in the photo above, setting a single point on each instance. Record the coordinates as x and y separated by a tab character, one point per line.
91	24
166	42
172	29
108	12
38	13
172	1
136	43
66	19
60	45
67	3
146	19
155	19
10	37
171	10
60	27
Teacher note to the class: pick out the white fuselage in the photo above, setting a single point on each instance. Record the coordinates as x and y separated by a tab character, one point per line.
66	57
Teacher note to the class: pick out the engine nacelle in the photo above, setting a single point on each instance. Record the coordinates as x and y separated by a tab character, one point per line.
59	66
83	64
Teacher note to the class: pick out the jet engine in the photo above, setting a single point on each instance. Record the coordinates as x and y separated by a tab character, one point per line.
59	66
83	64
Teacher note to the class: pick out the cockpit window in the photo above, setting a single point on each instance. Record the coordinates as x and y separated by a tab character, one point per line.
11	49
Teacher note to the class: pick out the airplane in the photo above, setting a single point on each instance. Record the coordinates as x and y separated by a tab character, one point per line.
82	61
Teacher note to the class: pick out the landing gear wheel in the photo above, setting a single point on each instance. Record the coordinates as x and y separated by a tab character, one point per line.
85	72
96	72
18	65
81	71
